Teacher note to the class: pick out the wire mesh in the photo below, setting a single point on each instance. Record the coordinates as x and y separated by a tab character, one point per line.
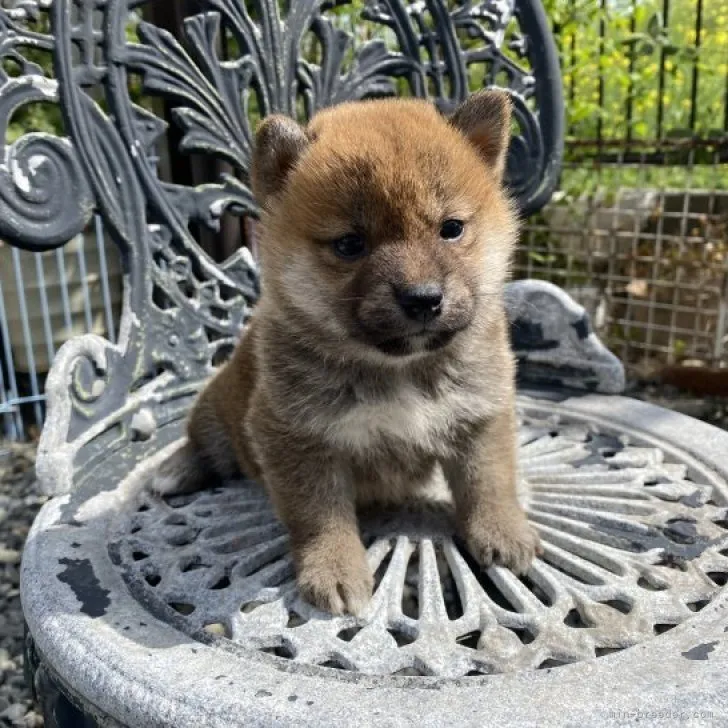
639	229
640	238
45	299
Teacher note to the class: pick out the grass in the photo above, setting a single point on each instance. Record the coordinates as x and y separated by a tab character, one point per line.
587	179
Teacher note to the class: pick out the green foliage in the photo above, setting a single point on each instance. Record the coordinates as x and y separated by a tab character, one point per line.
587	180
626	55
636	38
46	117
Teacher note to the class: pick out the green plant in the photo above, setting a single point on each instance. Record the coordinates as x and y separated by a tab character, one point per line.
627	56
46	117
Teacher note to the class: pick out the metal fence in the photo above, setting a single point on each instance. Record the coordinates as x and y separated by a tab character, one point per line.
45	298
638	232
648	259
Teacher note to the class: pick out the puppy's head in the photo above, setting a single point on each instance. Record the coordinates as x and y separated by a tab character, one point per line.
385	225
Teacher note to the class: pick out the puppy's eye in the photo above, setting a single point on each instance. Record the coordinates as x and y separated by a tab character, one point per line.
350	247
451	229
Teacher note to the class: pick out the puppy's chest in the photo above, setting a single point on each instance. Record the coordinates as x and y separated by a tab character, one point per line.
407	416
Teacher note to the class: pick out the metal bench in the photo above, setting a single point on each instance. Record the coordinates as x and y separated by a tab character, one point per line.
183	612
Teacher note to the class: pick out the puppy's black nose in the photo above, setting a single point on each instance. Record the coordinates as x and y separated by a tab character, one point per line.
422	302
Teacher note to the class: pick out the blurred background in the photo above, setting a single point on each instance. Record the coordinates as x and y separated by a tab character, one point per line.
639	228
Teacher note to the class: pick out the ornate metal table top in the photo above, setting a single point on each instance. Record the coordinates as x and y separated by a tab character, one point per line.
635	544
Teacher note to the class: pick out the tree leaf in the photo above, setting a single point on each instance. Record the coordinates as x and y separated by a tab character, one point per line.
655	25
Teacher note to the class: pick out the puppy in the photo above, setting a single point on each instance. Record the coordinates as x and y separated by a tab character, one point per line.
378	352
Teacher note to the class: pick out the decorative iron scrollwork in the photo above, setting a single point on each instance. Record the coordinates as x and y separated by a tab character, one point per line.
235	62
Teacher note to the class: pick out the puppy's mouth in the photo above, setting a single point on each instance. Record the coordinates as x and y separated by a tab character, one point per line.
424	341
389	333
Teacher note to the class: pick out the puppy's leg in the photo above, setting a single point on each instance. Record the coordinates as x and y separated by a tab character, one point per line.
483	482
181	472
314	496
206	456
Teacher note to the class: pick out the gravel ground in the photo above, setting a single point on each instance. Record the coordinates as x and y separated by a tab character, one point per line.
20	501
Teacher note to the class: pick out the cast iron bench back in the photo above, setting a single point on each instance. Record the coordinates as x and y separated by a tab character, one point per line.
236	62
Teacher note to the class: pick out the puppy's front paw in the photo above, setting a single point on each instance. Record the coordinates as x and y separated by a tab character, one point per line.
506	539
336	579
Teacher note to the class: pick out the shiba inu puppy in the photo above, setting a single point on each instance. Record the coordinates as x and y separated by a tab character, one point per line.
378	355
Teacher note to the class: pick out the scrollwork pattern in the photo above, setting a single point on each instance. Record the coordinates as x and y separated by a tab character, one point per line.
44	197
234	62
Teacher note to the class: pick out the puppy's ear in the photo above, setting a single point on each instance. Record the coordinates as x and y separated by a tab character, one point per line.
485	119
279	142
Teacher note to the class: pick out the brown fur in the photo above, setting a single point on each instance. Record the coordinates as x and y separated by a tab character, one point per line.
334	398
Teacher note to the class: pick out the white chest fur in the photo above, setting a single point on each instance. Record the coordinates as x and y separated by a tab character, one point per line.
410	416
